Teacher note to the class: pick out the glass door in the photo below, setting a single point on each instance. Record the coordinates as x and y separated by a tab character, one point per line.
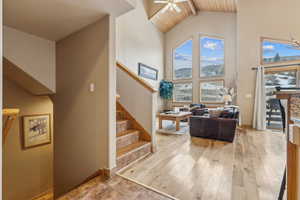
274	78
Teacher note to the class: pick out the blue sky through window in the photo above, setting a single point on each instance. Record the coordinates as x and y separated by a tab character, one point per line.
211	56
212	51
279	52
182	60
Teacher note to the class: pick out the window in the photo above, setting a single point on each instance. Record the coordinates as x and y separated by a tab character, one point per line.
210	91
278	51
211	57
182	61
277	77
183	92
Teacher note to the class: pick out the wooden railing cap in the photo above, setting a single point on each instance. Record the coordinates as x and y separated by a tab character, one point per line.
10	111
135	77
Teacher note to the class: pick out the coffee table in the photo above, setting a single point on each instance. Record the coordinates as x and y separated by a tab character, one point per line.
174	117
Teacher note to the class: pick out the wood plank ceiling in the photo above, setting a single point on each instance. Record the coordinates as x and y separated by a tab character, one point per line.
167	20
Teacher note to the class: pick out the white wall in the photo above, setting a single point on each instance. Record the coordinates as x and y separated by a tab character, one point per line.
207	23
255	19
138	40
34	55
144	108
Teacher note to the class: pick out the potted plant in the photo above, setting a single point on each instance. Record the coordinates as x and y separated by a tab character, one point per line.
166	90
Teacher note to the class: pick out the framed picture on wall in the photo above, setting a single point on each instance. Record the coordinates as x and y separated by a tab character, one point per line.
36	130
147	72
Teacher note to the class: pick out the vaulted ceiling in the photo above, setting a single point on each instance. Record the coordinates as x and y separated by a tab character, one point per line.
165	21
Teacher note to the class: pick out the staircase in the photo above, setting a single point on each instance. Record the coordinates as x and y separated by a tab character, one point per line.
133	143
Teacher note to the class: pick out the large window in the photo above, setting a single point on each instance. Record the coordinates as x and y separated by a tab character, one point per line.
211	57
182	61
210	91
283	77
274	51
183	92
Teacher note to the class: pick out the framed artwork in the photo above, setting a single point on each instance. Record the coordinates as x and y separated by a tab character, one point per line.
147	72
36	130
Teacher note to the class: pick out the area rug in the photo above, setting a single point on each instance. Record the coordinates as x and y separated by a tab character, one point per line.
170	128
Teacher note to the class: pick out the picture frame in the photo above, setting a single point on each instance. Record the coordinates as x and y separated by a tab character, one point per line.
36	130
147	72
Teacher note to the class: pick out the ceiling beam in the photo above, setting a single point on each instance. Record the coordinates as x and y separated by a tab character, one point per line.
192	6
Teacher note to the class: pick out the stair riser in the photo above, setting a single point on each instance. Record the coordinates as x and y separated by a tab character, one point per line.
130	157
127	140
123	126
120	115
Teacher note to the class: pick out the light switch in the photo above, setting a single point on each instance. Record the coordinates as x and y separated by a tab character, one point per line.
92	87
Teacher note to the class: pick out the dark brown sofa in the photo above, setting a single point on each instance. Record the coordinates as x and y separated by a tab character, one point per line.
220	128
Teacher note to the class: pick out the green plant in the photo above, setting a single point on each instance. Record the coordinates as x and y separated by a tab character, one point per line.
166	89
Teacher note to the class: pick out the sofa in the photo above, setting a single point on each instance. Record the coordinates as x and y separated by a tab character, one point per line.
220	128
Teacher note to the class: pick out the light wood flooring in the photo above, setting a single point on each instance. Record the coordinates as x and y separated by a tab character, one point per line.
117	188
250	168
47	196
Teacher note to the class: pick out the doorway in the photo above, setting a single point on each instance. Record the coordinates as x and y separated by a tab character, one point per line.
274	77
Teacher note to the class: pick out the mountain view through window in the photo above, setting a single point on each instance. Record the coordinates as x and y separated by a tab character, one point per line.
279	52
182	61
211	57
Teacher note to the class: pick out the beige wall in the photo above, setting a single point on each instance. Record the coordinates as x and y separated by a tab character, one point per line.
207	23
82	118
27	173
138	40
255	19
34	55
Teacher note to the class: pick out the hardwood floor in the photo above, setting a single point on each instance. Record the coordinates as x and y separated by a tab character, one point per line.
47	196
117	188
250	168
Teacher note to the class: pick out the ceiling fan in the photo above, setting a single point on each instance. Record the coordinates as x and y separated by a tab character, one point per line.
171	5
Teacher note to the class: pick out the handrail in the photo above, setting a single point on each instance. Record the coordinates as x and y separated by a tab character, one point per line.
11	116
135	77
10	111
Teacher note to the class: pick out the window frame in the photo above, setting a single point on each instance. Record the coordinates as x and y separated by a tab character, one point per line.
295	69
207	81
183	102
172	59
199	43
282	41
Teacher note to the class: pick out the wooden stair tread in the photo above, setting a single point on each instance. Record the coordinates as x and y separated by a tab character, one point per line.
131	147
122	120
120	134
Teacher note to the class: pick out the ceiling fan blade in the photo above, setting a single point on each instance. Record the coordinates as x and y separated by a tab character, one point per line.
178	1
176	8
160	1
165	8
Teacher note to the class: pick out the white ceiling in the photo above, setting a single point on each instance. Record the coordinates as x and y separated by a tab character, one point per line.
56	19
